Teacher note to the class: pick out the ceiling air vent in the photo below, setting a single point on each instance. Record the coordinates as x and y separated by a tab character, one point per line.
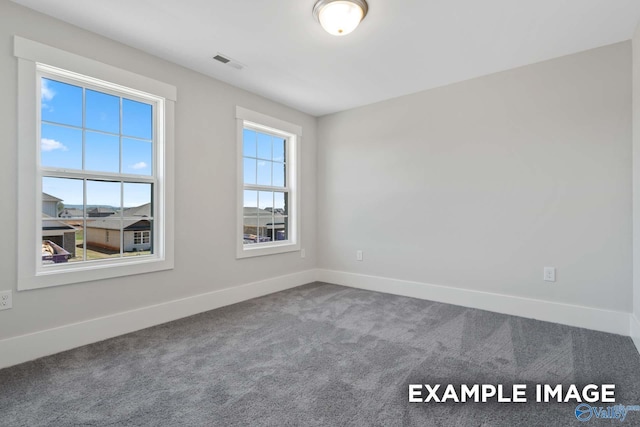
229	61
221	59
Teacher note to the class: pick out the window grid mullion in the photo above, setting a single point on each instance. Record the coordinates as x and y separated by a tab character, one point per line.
265	188
258	217
256	142
271	159
84	181
84	122
73	174
102	132
121	219
84	220
273	215
120	169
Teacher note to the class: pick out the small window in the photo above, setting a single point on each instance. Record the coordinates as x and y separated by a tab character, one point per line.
141	237
268	185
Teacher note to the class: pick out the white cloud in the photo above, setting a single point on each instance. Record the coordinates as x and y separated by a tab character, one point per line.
47	93
139	165
47	144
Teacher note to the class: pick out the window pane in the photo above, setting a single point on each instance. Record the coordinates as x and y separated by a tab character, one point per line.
278	149
137	200
264	146
60	241
250	229
103	238
280	219
249	143
280	203
265	216
264	232
250	216
265	200
103	199
61	147
264	172
59	194
137	119
102	111
278	174
61	102
138	237
249	171
59	235
102	152
250	199
137	157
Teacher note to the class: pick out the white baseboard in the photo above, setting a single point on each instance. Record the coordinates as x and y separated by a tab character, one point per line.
635	331
584	317
23	348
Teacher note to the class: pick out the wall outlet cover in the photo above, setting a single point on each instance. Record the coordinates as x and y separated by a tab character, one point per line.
6	300
549	274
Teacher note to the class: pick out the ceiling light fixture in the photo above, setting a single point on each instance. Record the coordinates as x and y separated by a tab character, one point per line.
340	17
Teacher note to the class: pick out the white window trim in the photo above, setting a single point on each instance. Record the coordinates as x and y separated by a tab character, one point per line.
30	55
294	134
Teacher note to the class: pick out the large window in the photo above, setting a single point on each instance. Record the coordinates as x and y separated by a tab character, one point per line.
268	196
95	170
97	151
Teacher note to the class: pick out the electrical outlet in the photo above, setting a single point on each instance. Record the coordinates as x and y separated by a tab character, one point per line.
6	300
549	274
303	253
358	255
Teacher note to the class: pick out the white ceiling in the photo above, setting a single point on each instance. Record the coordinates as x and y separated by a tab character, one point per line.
403	46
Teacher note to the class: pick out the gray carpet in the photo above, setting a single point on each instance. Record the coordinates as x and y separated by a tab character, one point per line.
318	355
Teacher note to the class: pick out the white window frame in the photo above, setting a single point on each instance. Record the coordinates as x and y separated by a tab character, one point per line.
33	59
292	134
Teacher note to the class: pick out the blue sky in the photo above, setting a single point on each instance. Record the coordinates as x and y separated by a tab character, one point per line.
264	199
263	164
105	144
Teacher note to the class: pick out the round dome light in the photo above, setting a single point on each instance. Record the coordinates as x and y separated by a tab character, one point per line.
340	17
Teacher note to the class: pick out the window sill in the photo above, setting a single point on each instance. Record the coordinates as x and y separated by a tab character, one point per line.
97	271
272	249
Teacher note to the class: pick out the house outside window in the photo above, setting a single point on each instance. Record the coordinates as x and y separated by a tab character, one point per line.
268	199
99	143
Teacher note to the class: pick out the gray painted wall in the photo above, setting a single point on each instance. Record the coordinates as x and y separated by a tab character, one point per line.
205	186
481	184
